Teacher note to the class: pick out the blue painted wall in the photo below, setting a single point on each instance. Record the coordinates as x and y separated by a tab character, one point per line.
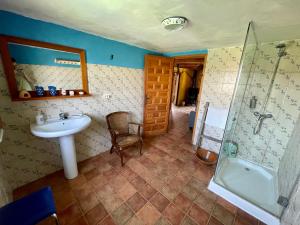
193	52
98	49
40	56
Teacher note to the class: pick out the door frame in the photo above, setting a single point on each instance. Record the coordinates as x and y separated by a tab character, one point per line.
170	97
201	85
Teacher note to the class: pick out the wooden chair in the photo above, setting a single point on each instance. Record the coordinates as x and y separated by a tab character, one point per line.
121	138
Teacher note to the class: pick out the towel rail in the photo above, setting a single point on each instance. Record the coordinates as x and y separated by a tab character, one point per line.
202	128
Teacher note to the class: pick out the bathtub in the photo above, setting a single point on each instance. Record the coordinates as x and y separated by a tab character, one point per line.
250	187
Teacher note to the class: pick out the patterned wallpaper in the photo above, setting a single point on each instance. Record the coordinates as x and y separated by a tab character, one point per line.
218	84
28	158
58	76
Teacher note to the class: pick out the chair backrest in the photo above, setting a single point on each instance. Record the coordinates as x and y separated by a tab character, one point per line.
118	121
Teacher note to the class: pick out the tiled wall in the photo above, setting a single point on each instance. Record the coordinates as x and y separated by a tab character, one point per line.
291	215
58	76
5	189
289	166
268	147
27	157
219	79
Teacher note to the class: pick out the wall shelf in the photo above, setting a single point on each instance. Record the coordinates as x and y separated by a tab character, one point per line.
50	97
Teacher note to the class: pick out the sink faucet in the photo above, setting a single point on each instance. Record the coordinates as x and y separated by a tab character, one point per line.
63	116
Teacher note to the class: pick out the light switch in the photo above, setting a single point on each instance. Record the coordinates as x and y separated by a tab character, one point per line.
106	96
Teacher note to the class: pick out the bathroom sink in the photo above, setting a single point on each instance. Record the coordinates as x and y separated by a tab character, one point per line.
59	128
64	130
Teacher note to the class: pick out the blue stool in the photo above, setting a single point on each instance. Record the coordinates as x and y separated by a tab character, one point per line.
29	210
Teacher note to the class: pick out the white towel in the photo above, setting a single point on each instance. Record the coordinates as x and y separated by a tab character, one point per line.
216	117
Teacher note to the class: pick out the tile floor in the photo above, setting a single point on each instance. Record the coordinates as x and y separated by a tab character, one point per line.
164	186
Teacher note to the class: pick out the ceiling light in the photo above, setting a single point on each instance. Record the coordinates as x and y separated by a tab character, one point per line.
174	22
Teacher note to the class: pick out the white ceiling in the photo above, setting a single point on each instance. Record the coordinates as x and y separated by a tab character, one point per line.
212	23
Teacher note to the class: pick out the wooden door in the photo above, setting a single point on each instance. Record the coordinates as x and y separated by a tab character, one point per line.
158	88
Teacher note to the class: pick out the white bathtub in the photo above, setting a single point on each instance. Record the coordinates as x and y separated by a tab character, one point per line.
250	187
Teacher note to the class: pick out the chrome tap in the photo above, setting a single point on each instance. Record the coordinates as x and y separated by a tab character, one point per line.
260	119
63	116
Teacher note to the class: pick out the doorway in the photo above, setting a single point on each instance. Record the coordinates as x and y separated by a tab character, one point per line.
172	86
186	88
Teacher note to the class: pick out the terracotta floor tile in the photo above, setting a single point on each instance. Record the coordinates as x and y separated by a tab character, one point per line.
83	190
85	166
198	214
148	214
209	194
138	182
109	174
88	202
128	173
96	214
157	183
169	192
69	214
98	181
135	221
196	184
80	221
227	205
126	191
167	166
105	191
214	221
223	215
91	174
147	191
190	192
246	218
162	221
203	174
159	201
122	214
77	181
173	214
182	202
188	221
136	202
111	202
102	167
205	203
107	221
63	199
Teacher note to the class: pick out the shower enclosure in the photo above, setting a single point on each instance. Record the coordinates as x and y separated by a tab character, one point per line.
258	163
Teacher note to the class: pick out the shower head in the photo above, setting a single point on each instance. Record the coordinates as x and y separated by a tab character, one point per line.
281	47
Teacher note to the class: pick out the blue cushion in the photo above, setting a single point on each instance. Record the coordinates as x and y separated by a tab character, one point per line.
29	210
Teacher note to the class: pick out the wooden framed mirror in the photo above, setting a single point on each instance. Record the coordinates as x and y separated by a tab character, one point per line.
61	71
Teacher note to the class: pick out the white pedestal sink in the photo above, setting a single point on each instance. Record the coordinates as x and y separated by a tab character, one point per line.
64	130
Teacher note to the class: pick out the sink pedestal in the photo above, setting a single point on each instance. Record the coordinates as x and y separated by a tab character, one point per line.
68	153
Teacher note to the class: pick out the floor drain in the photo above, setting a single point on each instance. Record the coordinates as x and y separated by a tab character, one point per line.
247	169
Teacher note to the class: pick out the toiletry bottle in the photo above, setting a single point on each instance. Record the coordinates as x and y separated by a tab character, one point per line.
253	102
40	118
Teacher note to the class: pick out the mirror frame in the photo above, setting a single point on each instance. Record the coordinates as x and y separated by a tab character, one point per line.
10	74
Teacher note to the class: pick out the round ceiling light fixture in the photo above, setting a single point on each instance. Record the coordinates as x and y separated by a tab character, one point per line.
174	23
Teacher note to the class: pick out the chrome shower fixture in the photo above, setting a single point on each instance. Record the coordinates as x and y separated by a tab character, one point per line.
260	119
281	47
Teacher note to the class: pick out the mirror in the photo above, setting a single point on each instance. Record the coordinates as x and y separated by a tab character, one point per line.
37	70
34	66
